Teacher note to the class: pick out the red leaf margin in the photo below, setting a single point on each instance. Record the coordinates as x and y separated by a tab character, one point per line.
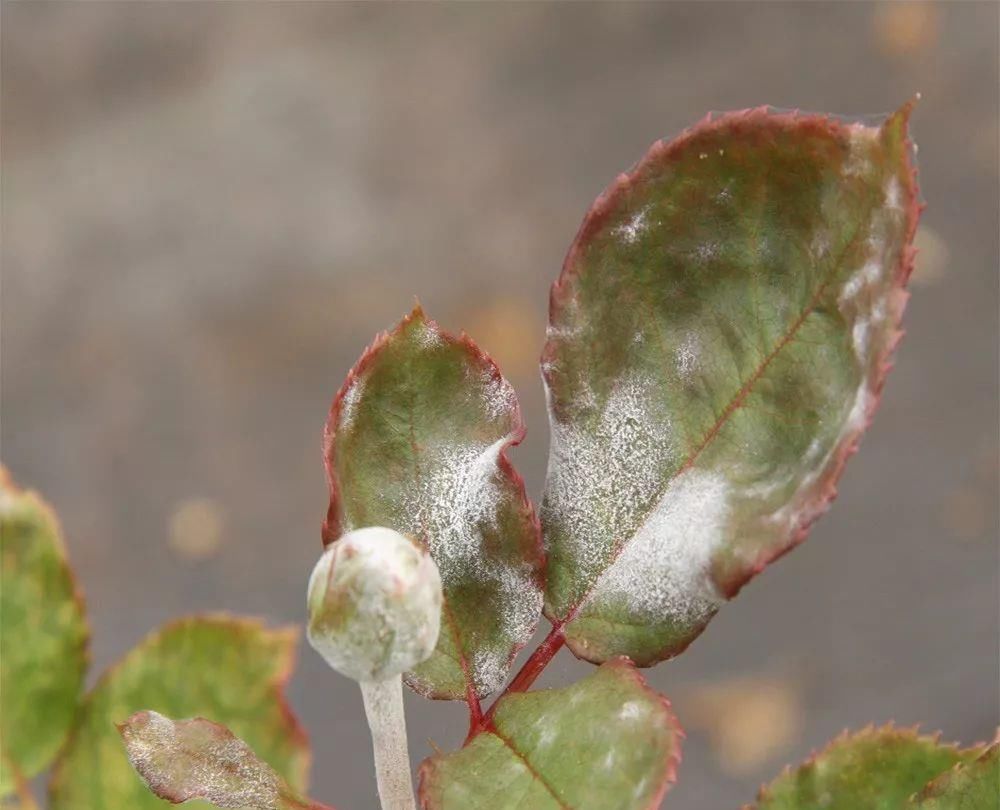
331	531
671	764
908	733
295	730
825	489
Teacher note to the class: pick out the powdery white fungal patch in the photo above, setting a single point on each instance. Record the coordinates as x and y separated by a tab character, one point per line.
688	354
456	497
859	158
863	301
602	477
632	710
820	245
498	395
630	231
707	250
428	337
663	570
198	759
666	532
349	403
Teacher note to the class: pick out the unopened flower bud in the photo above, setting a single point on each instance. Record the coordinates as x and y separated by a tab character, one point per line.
374	604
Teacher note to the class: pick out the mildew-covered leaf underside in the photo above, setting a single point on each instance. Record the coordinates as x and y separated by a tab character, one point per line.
717	344
416	441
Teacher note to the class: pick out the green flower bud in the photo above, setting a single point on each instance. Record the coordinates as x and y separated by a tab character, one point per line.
374	604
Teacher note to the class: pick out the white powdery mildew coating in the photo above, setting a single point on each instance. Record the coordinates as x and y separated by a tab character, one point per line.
664	569
222	769
630	231
688	355
863	300
859	158
429	337
349	403
617	471
458	492
498	394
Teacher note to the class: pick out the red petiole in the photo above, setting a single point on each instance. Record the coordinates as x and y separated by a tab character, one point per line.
526	676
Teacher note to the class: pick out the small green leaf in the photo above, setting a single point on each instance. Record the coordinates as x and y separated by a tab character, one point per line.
874	769
43	636
198	759
417	441
972	786
606	743
230	669
717	344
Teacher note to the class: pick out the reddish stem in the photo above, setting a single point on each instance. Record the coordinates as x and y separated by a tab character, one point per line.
525	677
475	709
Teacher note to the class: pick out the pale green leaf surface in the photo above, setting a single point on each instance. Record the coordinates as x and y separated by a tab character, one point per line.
43	636
416	441
607	742
182	760
874	769
232	670
967	786
717	343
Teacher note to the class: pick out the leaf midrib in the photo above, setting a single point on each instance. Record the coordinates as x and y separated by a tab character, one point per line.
733	405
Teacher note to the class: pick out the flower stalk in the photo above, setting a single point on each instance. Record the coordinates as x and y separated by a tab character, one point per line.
387	721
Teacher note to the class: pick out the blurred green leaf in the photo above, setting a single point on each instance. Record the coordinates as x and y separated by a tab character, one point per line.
43	636
717	344
606	743
971	786
874	769
416	441
230	669
182	760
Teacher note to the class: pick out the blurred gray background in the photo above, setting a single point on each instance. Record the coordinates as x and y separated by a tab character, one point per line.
210	208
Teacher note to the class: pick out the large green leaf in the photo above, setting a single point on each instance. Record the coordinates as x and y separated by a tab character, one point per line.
43	636
182	760
717	344
606	743
972	786
875	769
416	441
232	670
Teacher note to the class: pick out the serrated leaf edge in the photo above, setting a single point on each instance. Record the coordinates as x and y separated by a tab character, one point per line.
8	483
888	732
625	665
287	635
932	789
331	530
825	489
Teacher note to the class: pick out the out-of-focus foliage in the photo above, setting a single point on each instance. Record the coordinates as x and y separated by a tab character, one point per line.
43	636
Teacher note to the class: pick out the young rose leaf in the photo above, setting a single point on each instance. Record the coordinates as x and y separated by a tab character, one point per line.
416	441
199	759
718	340
877	769
606	743
972	786
43	636
233	670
